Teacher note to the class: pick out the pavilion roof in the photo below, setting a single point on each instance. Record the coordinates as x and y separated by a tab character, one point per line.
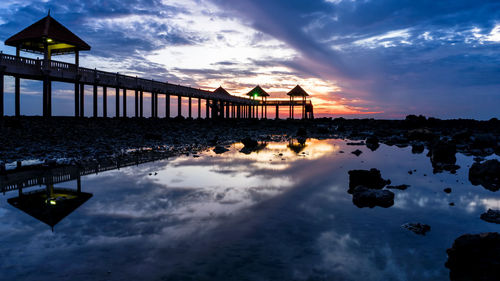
298	92
258	91
59	39
221	91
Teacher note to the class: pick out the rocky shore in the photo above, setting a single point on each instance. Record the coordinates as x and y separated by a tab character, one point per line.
91	139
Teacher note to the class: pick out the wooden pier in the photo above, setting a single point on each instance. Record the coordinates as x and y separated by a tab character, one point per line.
50	38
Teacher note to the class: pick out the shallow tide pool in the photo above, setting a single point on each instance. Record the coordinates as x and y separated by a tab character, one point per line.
282	213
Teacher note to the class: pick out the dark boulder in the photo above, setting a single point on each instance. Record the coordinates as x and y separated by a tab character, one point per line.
400	187
417	148
443	157
417	228
220	149
475	257
372	143
302	132
249	143
486	174
491	216
366	197
367	178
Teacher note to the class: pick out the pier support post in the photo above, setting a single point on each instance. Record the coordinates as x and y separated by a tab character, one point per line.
277	112
199	108
77	99
189	101
17	96
95	100
167	106
104	101
179	106
82	100
141	106
152	105
207	105
238	111
117	102
156	105
124	102
136	103
1	94
227	109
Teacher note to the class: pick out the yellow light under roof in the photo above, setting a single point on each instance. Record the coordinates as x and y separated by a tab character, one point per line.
50	40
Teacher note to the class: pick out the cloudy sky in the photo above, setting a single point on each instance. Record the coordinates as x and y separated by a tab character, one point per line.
358	58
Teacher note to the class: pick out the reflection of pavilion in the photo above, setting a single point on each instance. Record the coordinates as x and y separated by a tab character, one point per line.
298	146
50	205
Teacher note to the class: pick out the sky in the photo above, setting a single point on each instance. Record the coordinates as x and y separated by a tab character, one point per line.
357	58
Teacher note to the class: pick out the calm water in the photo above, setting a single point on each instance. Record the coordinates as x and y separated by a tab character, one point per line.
262	216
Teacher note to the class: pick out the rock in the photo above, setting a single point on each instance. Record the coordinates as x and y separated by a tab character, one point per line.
417	148
491	216
443	157
400	187
417	228
220	149
447	190
360	143
365	197
249	143
367	178
452	204
357	152
372	143
475	257
486	174
153	136
302	132
421	135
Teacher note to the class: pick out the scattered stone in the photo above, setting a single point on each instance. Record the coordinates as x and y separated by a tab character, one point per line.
410	172
491	216
443	156
447	190
356	143
249	143
475	257
357	152
486	174
365	197
220	149
400	187
417	228
417	148
367	178
452	204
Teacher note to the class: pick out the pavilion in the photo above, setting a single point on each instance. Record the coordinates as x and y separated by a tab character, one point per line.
254	94
50	38
301	93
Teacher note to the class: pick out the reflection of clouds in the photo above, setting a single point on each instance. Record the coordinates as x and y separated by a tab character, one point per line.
346	258
491	203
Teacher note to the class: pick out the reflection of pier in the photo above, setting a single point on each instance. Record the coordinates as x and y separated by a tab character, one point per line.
46	176
49	38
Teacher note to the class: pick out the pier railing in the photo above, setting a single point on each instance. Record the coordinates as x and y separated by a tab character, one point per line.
67	72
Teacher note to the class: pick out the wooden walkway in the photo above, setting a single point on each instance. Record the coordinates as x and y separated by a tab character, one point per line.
217	105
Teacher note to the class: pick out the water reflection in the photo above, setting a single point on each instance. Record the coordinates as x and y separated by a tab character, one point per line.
269	215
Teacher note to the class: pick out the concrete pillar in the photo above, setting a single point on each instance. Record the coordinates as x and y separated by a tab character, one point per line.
77	99
124	102
117	102
179	106
156	105
277	112
136	103
167	106
227	109
199	108
141	106
82	100
190	116
104	101
95	100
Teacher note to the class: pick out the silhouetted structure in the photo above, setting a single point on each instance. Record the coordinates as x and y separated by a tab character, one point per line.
49	37
299	92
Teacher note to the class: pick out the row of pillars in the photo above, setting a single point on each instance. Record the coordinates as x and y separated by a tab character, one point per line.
222	109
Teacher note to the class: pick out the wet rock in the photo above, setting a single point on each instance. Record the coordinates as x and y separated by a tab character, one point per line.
475	257
443	157
359	143
249	143
366	197
421	135
220	149
452	204
491	216
152	136
357	152
486	174
302	132
372	143
417	228
447	190
417	148
400	187
367	178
